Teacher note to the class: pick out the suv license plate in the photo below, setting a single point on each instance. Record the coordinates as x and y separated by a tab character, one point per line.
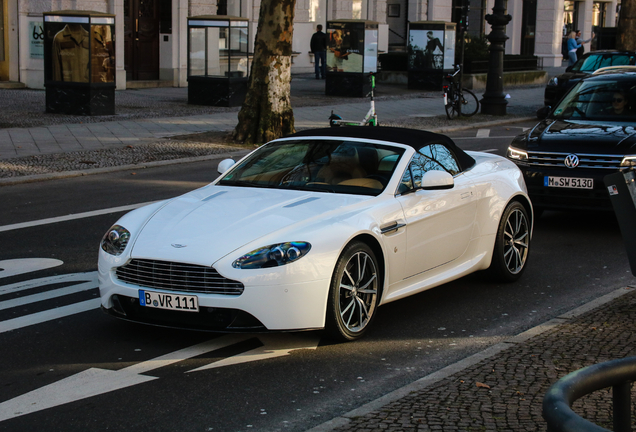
568	182
184	303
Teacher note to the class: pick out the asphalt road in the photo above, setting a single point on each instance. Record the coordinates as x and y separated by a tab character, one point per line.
88	371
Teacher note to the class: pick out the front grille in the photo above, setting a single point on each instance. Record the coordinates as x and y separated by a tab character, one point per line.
174	276
550	159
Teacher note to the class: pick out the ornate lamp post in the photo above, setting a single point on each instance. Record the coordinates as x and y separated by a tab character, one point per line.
494	101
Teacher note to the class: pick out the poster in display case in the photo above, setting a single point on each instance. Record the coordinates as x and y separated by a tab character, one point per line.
79	62
218	60
431	53
352	53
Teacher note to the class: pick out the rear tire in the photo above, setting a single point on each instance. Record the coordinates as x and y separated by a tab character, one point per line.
512	244
452	103
354	293
470	104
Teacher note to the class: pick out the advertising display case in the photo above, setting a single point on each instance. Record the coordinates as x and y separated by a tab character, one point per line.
218	60
431	53
79	62
352	53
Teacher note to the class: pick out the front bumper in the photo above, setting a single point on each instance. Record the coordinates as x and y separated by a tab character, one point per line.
558	198
283	306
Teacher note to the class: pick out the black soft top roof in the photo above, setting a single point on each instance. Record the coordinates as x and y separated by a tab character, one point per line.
411	137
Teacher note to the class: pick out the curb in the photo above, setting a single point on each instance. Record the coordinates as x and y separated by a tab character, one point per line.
447	371
9	181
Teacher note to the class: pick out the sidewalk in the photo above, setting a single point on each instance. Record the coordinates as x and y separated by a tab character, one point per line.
90	145
502	387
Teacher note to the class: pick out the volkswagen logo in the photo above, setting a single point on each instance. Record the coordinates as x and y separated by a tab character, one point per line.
571	161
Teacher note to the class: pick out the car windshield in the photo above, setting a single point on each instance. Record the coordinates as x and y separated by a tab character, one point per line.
597	61
606	100
338	166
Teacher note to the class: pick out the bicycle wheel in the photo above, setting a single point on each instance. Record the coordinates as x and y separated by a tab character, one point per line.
470	104
452	106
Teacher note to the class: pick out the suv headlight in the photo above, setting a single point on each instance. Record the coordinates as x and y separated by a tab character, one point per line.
553	82
629	162
115	240
516	154
273	255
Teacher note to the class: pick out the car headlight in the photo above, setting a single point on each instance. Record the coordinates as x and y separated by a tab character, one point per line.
516	154
273	255
553	82
115	240
629	162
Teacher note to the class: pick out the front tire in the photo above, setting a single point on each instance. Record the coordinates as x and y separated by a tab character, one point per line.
512	244
354	293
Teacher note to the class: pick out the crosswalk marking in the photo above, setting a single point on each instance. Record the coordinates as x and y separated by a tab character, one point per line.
16	267
49	315
78	282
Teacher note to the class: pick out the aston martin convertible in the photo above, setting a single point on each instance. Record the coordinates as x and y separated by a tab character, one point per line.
316	231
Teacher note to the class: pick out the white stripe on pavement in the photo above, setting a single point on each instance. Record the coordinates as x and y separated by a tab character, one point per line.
49	315
47	295
483	133
72	217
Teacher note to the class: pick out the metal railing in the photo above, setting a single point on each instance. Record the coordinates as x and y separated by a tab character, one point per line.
618	374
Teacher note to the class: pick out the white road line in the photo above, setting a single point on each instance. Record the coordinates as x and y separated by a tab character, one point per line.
47	295
72	217
483	133
94	381
26	265
49	315
35	283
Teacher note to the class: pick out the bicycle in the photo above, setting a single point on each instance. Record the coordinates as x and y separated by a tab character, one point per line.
458	100
371	119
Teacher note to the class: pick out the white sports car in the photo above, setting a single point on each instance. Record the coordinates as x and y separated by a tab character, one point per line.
315	231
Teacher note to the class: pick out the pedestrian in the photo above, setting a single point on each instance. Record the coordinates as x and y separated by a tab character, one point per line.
318	46
572	47
581	50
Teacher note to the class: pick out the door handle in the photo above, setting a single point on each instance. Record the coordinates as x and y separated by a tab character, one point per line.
393	226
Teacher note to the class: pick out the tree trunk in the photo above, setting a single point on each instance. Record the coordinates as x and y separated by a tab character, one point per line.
266	113
626	32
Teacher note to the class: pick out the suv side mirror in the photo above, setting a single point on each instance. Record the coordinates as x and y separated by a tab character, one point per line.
543	112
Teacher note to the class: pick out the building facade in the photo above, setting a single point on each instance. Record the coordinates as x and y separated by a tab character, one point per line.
151	35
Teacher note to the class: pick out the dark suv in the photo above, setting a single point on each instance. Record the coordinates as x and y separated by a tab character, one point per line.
588	63
589	134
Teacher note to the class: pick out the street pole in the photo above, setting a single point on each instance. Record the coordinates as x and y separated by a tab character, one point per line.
494	101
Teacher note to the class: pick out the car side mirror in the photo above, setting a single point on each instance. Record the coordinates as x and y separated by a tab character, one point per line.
437	180
568	69
543	112
225	165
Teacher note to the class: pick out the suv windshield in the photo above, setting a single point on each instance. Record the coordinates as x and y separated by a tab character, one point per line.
318	165
607	100
597	61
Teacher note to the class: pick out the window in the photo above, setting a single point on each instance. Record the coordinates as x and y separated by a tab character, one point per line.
434	157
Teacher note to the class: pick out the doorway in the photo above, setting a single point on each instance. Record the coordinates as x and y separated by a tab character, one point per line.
528	26
141	39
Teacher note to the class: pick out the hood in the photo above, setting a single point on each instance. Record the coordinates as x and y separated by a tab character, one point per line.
205	225
582	137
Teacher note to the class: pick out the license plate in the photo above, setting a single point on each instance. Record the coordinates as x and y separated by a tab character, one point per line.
568	182
184	303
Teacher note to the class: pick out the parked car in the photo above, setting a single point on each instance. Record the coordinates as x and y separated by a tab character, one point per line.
316	231
586	65
589	134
